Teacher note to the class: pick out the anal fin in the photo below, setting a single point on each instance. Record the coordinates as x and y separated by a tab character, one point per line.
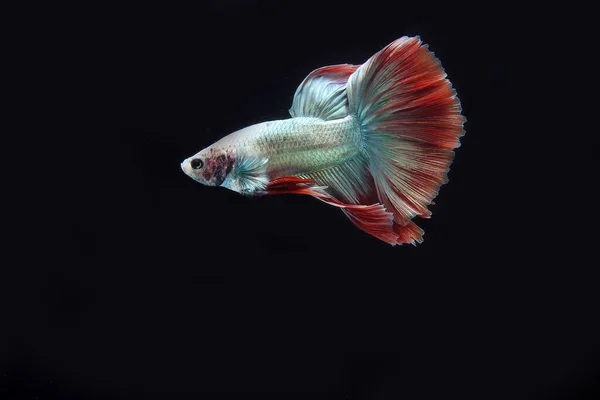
409	233
350	182
373	219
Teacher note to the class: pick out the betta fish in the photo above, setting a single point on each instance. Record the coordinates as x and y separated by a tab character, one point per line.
375	140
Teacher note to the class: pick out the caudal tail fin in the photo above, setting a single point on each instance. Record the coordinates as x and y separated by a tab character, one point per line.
411	120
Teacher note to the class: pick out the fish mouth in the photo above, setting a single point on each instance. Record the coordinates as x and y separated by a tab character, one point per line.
185	166
187	169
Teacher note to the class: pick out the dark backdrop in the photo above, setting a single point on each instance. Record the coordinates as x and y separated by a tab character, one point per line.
143	283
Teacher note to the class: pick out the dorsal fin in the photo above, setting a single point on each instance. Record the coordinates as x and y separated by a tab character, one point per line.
322	94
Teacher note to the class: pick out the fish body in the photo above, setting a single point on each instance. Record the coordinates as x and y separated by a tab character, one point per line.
295	146
375	140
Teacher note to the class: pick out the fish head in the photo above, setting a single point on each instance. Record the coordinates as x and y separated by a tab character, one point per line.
210	166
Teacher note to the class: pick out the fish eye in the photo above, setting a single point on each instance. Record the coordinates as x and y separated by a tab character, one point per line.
197	163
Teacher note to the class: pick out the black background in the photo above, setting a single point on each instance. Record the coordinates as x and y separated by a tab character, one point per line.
135	281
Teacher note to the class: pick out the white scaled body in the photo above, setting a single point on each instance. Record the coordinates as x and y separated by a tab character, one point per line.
296	146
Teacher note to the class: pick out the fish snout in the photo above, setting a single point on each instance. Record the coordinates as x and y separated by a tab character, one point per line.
185	166
192	167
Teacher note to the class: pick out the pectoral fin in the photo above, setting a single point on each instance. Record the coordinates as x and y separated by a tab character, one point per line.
248	175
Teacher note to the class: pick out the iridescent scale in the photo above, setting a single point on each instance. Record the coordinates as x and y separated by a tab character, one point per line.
303	145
